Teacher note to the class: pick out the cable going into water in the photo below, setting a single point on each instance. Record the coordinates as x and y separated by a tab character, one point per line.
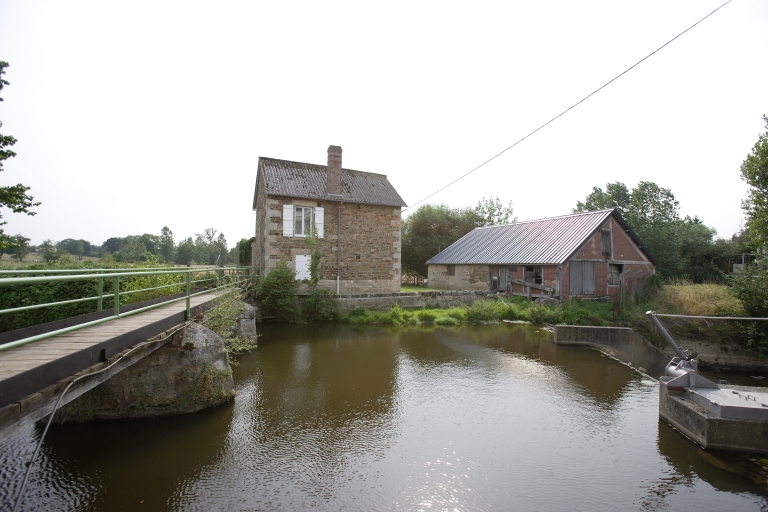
585	98
31	462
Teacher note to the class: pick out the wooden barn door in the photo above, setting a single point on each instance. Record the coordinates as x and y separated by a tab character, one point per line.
582	281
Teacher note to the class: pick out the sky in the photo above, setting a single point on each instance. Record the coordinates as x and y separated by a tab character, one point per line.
134	115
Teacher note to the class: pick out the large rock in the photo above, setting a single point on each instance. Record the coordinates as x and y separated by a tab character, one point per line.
188	374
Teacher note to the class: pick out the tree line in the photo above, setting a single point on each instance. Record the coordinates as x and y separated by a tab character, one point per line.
206	248
684	247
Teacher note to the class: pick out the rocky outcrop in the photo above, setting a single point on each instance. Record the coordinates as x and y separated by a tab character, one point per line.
188	374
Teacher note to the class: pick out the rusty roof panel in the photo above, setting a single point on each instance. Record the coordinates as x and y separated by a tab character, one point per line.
297	179
536	242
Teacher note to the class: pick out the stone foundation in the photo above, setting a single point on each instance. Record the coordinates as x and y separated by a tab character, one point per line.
184	376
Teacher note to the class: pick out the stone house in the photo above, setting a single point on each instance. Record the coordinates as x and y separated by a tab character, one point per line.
356	216
592	254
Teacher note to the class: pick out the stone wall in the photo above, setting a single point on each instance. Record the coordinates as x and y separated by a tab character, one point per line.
466	277
186	375
370	243
384	302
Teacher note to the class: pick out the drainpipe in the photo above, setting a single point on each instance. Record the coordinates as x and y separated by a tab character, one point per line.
338	252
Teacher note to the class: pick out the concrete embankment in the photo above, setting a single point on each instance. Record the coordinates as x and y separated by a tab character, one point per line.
621	343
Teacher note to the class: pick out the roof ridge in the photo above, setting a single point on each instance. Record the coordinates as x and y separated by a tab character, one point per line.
549	218
317	165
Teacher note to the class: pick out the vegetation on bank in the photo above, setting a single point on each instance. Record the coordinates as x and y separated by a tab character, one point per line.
49	292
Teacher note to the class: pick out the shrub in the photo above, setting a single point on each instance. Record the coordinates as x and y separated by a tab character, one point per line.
277	293
222	319
320	306
446	321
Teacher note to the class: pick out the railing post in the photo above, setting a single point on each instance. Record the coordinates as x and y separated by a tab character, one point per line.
117	296
101	291
189	291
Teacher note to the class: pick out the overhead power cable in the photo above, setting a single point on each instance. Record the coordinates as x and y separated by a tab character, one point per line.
585	98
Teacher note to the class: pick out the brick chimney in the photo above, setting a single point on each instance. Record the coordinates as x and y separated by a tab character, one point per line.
334	170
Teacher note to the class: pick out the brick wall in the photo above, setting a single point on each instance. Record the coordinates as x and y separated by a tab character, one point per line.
370	244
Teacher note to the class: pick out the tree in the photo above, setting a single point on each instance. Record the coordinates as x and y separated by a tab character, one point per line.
74	247
493	212
432	228
113	244
206	247
14	197
166	243
651	212
616	195
185	252
19	247
49	251
754	170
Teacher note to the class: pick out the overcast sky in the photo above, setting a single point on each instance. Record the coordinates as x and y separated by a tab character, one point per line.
135	115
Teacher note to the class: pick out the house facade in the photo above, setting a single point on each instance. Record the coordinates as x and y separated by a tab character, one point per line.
355	215
592	254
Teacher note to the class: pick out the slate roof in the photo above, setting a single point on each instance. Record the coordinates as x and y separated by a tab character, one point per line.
309	181
549	241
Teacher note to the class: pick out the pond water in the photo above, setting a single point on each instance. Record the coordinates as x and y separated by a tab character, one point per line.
489	417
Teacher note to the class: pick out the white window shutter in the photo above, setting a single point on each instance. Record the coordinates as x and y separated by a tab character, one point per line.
302	266
319	221
287	220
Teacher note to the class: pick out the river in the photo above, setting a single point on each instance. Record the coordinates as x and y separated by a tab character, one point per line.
488	417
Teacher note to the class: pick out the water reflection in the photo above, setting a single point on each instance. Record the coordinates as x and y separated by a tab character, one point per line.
491	417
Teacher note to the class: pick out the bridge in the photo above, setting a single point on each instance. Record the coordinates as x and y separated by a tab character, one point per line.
131	315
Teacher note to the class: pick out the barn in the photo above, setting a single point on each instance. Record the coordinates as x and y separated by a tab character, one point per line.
588	255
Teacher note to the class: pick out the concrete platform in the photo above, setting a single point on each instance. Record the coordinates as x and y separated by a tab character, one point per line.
729	418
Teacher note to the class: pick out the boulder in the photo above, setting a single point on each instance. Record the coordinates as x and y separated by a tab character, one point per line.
188	374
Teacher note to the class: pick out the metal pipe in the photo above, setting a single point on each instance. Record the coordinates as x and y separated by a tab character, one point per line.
338	252
665	333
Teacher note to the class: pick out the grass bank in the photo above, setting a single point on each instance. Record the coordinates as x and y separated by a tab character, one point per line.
677	297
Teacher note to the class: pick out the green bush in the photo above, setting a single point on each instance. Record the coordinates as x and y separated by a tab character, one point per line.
446	321
277	293
320	306
222	319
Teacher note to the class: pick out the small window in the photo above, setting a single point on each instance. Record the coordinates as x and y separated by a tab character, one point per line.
606	244
614	274
302	221
451	270
534	274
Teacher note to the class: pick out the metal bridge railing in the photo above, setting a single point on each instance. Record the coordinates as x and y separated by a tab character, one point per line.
191	282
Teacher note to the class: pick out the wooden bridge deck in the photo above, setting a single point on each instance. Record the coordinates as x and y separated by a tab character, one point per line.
28	369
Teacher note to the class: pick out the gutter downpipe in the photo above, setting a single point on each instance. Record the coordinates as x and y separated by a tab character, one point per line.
338	251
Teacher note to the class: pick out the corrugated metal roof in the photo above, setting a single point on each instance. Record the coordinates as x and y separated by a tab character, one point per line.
535	242
297	179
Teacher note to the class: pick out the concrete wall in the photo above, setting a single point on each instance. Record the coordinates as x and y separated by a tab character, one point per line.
370	243
710	430
620	343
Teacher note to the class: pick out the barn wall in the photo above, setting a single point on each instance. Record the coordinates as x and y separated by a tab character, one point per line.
466	277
